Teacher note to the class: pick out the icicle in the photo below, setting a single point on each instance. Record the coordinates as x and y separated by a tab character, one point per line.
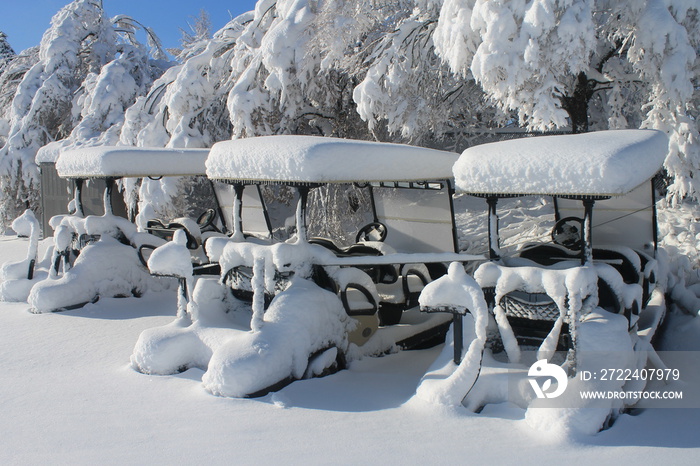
270	270
509	341
549	345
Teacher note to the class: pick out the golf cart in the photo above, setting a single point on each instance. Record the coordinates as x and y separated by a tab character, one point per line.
315	303
103	255
587	299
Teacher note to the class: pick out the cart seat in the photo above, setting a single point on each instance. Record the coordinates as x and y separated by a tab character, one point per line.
166	230
358	249
548	254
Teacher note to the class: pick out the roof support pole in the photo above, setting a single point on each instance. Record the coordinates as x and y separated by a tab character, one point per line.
109	186
301	213
587	249
237	212
78	197
219	210
494	247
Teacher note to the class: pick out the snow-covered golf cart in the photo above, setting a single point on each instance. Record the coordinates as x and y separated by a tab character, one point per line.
315	303
591	293
100	255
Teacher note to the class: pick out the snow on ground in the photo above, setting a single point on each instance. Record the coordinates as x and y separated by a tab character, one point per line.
69	396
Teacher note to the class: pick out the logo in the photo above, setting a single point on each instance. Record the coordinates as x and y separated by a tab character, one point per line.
544	369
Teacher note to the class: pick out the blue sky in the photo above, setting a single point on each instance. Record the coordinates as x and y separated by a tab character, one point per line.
24	21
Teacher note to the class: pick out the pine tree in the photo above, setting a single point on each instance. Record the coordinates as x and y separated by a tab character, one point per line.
6	51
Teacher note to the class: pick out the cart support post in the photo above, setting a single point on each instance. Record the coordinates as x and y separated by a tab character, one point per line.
587	249
78	197
301	213
238	211
494	247
457	328
458	337
109	186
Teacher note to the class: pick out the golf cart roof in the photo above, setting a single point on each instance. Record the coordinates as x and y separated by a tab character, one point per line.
599	164
132	162
313	159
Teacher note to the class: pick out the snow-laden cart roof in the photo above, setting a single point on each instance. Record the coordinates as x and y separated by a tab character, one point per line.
605	163
312	159
132	162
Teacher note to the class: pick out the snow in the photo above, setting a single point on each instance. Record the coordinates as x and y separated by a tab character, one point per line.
28	226
172	258
65	373
301	320
308	159
190	340
107	268
117	162
444	383
160	420
615	163
572	289
599	330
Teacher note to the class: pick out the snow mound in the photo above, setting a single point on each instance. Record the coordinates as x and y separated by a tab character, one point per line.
302	320
191	339
106	268
572	414
445	382
172	258
18	277
25	225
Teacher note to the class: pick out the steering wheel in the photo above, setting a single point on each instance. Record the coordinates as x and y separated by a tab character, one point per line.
206	220
374	231
567	232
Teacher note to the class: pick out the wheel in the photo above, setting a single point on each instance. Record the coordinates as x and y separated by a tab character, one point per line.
374	231
567	233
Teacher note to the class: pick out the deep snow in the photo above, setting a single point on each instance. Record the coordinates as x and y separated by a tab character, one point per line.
69	395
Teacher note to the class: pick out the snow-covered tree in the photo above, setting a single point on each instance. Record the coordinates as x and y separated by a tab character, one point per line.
196	39
9	78
41	108
285	82
88	70
563	62
6	50
409	92
185	108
